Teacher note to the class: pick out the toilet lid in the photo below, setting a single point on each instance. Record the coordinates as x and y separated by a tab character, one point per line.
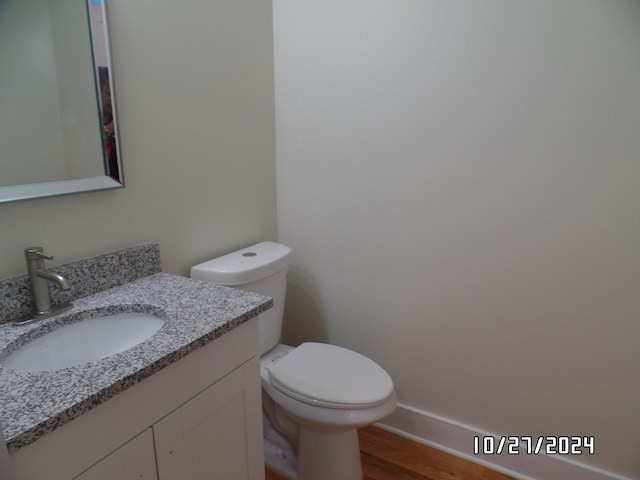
331	376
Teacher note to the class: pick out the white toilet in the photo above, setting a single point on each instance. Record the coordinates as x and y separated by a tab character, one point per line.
314	396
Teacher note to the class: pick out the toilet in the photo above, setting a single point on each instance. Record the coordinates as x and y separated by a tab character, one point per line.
314	396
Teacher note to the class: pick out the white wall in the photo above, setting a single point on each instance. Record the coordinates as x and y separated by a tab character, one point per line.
194	89
460	184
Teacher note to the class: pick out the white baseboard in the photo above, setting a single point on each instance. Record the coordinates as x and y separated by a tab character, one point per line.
458	439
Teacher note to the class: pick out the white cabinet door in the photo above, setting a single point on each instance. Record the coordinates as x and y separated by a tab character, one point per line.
213	436
135	460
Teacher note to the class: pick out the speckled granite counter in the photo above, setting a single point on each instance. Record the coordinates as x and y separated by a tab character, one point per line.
196	313
87	276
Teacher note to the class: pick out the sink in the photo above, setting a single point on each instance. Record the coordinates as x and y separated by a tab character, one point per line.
84	341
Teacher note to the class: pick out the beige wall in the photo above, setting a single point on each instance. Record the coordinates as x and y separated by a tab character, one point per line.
194	85
460	183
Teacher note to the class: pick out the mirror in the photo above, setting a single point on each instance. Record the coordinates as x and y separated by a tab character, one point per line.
58	130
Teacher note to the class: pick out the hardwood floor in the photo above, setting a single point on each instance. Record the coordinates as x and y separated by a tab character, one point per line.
386	456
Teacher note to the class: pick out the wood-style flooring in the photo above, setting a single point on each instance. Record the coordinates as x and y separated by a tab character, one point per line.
386	456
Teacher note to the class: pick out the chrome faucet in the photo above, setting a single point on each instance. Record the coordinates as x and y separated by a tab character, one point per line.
39	278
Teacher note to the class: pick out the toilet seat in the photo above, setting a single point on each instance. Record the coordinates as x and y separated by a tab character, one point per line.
331	376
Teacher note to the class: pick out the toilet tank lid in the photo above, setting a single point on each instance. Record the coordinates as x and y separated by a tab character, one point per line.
246	265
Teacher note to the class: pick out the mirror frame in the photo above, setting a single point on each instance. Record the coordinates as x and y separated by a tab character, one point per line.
26	191
12	193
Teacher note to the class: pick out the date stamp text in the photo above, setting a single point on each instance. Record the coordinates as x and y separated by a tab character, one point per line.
534	445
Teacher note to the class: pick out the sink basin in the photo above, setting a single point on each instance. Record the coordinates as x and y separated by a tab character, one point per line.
85	341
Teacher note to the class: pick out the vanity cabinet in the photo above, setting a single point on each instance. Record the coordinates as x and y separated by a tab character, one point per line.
199	417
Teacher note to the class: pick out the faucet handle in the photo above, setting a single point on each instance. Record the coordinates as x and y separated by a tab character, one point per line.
36	253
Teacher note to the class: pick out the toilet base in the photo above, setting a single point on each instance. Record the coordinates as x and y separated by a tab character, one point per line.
329	455
279	460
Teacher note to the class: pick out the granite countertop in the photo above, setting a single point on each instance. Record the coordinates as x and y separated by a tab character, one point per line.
195	313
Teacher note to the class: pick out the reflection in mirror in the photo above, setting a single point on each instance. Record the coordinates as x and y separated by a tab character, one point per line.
58	128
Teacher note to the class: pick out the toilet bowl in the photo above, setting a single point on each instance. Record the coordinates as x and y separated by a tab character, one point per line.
315	396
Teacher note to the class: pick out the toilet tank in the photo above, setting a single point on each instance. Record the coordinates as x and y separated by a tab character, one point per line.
261	268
